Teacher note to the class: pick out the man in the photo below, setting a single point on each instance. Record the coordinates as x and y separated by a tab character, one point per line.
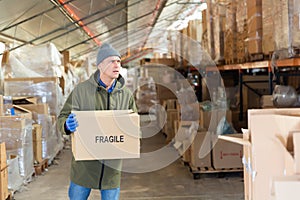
104	90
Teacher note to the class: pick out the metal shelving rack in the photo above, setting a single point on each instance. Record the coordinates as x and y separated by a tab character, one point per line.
273	68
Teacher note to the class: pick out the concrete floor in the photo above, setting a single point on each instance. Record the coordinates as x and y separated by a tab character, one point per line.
172	182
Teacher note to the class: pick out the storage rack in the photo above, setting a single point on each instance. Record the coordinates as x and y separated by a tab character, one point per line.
276	71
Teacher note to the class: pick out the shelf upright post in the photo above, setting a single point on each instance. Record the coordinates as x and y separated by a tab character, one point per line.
270	74
241	82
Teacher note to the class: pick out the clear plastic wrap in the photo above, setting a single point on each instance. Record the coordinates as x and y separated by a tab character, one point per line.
52	140
284	96
15	180
146	95
46	92
36	61
17	135
286	19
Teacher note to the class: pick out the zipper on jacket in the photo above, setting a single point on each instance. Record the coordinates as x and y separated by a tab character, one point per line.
102	169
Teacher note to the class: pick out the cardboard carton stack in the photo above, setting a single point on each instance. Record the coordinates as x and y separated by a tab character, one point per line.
196	140
254	13
286	19
278	130
215	30
268	42
242	29
230	37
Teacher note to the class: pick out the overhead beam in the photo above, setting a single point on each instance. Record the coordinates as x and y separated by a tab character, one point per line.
64	27
34	16
119	26
95	20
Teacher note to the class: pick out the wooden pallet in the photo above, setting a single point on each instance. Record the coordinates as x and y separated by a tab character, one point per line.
197	171
41	167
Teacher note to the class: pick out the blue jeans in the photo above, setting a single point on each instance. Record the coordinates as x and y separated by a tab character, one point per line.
77	192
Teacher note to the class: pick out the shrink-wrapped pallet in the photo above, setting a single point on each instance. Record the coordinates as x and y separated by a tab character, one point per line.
215	30
286	27
16	132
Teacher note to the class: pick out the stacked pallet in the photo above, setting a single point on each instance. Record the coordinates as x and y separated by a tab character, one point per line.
194	134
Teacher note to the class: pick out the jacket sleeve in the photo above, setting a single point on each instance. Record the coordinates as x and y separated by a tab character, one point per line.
132	104
64	113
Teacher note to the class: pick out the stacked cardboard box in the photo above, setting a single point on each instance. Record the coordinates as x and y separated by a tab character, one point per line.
286	19
230	33
241	26
268	42
197	142
215	30
278	130
254	13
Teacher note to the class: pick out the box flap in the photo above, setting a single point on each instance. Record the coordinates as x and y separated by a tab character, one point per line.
229	138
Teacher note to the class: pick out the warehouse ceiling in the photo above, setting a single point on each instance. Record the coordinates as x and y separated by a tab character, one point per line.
80	26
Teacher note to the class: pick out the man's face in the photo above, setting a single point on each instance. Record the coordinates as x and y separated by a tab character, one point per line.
110	67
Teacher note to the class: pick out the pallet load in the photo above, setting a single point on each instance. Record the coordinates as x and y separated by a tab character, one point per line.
16	132
268	42
286	19
230	36
215	30
254	24
242	30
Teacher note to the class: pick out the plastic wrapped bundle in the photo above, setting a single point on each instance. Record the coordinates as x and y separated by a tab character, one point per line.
15	181
51	138
46	92
17	135
36	61
284	96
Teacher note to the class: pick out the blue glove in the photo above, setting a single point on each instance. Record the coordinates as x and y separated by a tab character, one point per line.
71	123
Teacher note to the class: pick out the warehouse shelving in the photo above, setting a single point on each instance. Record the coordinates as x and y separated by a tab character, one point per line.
273	67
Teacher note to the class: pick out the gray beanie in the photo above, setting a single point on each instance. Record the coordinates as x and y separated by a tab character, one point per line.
106	50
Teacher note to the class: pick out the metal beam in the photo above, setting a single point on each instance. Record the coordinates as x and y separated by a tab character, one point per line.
119	26
34	16
71	30
64	27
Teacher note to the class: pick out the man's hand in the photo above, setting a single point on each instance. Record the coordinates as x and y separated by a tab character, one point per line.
71	123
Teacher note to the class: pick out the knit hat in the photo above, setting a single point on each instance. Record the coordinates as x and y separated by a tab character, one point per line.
106	50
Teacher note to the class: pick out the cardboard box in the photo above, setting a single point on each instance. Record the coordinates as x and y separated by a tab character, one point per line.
286	187
22	112
209	120
37	142
269	143
107	134
40	108
197	144
226	155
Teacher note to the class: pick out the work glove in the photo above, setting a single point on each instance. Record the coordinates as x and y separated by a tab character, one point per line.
71	123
